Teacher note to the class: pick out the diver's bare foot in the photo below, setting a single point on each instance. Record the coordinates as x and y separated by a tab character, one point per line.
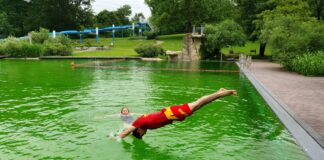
222	89
224	92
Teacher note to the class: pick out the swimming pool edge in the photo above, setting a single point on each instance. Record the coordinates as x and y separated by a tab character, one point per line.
298	129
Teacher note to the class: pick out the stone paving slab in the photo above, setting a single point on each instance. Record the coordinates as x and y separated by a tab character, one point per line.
303	95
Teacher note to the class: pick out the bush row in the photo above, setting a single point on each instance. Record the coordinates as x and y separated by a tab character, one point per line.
150	35
16	48
311	64
13	47
149	50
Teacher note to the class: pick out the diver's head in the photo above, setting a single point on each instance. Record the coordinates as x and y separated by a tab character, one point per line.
139	133
124	111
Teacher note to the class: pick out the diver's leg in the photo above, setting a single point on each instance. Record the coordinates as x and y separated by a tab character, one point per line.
209	98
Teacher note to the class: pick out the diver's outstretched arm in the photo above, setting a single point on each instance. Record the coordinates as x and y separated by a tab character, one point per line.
127	131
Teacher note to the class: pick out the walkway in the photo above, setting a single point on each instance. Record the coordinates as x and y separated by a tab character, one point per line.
303	95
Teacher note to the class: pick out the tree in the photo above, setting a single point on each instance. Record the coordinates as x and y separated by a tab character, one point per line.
293	9
59	15
248	10
123	14
290	30
317	7
14	11
136	17
5	27
259	23
118	17
171	16
225	34
106	18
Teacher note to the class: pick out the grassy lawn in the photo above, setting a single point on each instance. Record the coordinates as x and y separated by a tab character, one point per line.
249	45
125	46
172	42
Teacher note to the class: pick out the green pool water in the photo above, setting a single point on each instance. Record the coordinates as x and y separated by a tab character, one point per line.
49	110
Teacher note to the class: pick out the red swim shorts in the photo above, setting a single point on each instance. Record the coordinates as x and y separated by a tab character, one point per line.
177	112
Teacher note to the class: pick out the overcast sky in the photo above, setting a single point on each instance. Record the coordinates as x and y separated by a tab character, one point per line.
110	5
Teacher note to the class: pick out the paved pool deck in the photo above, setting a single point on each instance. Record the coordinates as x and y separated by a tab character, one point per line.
303	96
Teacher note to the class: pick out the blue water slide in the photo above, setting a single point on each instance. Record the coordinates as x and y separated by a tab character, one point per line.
90	30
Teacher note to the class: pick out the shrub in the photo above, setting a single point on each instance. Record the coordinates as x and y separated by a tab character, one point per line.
316	35
41	36
12	47
311	64
150	35
64	40
149	50
61	46
57	49
1	50
31	50
88	44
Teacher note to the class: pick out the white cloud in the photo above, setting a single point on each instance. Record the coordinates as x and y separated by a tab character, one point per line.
111	5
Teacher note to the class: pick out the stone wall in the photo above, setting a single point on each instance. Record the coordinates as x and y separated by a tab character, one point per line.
191	47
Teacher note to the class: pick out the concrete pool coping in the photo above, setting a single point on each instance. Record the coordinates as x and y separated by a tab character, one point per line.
290	120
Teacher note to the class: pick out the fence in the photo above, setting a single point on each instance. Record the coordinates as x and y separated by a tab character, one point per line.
245	61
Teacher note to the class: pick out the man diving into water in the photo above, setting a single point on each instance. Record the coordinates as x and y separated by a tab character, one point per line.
167	115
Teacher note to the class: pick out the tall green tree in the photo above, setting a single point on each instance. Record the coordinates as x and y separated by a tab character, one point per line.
258	23
59	15
14	13
170	16
136	17
119	17
295	9
106	18
248	11
290	30
317	7
123	13
5	28
225	34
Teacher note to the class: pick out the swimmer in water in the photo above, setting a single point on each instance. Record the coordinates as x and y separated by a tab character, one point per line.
126	117
174	113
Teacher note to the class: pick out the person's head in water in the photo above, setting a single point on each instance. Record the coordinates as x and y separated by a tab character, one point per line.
124	111
139	133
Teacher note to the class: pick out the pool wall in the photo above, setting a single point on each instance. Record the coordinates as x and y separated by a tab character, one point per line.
288	118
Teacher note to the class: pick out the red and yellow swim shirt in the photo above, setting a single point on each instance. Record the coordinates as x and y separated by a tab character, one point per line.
162	118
